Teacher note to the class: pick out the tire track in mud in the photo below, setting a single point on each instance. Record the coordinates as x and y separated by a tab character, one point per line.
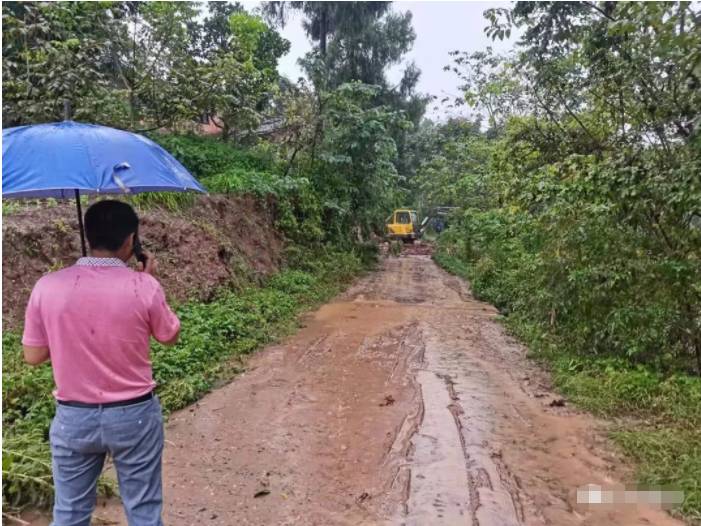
486	494
400	449
477	476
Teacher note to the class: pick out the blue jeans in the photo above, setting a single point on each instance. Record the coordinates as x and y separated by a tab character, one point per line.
81	438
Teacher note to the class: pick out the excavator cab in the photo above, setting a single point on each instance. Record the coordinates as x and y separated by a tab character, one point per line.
437	219
403	224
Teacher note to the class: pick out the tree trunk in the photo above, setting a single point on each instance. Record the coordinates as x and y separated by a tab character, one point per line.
323	28
67	110
693	341
132	109
292	159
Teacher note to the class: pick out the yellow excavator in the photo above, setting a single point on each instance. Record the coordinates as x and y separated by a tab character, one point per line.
404	223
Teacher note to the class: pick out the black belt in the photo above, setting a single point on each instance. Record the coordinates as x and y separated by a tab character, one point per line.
121	403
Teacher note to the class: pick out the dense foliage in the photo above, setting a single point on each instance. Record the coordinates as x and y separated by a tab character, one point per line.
138	65
351	164
581	209
582	203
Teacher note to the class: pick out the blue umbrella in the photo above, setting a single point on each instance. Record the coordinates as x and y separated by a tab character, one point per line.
67	159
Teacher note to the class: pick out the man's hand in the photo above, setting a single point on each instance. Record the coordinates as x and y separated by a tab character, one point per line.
172	341
35	355
151	265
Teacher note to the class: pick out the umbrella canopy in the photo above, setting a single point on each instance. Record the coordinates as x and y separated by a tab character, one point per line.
66	159
56	159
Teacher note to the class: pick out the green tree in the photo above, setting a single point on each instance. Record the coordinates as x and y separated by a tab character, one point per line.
452	166
152	65
55	52
137	65
589	225
355	171
322	19
238	70
351	165
358	41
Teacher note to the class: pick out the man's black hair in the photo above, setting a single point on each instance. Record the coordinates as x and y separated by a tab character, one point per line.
109	223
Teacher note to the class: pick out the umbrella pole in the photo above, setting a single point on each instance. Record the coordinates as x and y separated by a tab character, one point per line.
80	222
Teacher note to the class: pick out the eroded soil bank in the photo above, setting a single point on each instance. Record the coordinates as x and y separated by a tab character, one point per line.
216	241
401	402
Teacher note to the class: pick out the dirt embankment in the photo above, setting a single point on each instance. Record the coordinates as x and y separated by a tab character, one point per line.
216	241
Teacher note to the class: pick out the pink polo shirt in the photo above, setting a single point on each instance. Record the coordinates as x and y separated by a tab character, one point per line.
96	317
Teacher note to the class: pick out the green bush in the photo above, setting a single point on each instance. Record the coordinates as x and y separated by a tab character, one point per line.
667	456
224	169
206	157
220	168
242	180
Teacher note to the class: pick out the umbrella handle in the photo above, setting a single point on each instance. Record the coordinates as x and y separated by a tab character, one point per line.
80	222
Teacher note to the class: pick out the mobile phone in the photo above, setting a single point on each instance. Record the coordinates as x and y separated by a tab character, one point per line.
138	250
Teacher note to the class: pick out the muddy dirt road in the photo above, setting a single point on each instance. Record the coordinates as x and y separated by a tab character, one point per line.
401	402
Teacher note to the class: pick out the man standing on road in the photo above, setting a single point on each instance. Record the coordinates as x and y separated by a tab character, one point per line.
94	321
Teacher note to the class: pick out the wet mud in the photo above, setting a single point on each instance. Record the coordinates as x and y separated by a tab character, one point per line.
401	402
